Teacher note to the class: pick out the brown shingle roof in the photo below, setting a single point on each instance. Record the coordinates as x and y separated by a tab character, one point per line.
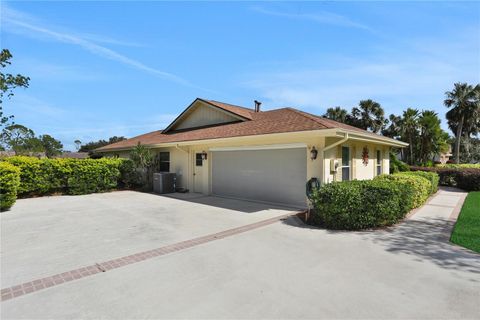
241	111
265	122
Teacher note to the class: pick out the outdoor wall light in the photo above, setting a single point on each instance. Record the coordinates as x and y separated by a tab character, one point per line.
204	155
313	153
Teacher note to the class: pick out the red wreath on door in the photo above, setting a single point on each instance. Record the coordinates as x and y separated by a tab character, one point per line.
365	156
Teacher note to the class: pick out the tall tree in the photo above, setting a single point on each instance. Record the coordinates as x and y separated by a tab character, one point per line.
369	115
51	146
92	145
433	139
409	131
78	144
8	82
337	113
393	129
464	101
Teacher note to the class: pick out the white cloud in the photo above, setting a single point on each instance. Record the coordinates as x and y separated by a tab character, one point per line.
322	17
18	22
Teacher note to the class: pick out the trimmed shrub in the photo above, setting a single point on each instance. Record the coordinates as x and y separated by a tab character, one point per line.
421	186
397	165
355	205
71	176
35	174
467	179
130	178
460	165
92	175
9	183
432	177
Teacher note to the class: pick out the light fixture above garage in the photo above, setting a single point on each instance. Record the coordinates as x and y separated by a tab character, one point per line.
313	153
204	155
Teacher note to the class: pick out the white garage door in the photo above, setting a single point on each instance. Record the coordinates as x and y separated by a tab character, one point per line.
277	175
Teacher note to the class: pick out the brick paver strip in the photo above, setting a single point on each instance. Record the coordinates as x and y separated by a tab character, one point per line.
57	279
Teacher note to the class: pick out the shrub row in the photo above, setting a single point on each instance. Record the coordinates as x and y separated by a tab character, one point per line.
9	183
467	179
356	205
460	165
70	176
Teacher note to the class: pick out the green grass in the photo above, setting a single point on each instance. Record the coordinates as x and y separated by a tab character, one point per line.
467	229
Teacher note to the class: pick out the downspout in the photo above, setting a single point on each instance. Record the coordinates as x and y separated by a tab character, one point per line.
333	145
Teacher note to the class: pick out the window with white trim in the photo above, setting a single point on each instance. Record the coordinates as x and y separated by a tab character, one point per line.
164	161
346	165
379	162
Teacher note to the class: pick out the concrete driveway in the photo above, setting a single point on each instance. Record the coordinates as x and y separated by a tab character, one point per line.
280	270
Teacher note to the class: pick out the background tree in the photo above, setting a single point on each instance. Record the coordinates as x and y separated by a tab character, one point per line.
409	131
338	114
15	137
78	143
51	146
90	146
394	128
8	83
369	115
432	139
464	101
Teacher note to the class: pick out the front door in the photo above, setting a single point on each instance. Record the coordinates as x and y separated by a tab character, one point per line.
198	173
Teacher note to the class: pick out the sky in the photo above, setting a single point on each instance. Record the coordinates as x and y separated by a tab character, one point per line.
100	69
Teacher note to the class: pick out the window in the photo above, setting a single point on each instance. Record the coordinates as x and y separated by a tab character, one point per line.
198	160
345	163
379	162
164	158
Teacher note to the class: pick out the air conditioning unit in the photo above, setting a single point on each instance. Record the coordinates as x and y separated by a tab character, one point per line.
164	182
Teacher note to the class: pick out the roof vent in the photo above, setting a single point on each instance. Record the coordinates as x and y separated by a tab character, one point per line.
257	106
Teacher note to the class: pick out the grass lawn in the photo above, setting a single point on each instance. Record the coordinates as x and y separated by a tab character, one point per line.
467	229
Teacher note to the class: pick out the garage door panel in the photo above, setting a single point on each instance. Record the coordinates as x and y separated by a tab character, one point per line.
268	175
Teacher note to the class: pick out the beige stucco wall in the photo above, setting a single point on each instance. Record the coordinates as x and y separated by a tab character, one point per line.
203	115
182	158
314	167
359	170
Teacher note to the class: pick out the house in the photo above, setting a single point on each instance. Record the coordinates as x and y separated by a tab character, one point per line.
73	155
228	150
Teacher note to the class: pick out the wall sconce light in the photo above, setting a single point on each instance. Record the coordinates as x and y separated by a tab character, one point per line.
313	153
204	155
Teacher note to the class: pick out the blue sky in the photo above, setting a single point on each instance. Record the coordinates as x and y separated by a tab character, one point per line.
124	68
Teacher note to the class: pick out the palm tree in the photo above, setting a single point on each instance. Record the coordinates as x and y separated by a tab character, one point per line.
369	116
430	134
338	114
408	129
393	130
464	100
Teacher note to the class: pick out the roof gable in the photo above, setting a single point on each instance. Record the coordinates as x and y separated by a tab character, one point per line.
202	113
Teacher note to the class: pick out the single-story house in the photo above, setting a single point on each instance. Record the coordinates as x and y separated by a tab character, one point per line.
227	150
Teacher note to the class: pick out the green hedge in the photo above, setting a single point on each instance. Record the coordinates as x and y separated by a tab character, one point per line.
467	179
459	166
9	183
421	186
355	205
71	176
432	177
396	165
